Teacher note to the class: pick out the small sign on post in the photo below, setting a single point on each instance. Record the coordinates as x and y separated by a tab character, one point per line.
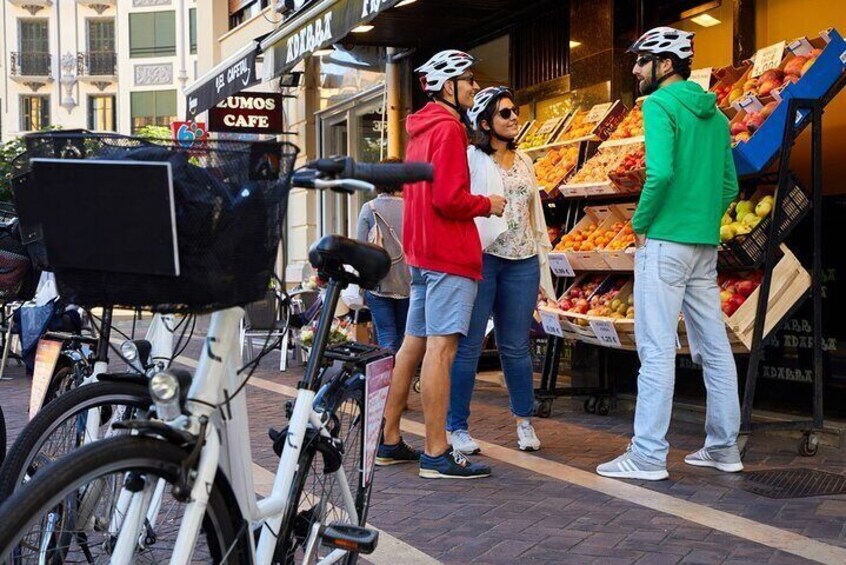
560	265
605	332
767	58
551	323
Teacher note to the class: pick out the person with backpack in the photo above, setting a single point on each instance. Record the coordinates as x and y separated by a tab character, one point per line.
380	223
514	267
442	247
690	182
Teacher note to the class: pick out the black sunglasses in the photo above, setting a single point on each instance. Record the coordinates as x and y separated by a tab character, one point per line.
644	59
470	78
506	113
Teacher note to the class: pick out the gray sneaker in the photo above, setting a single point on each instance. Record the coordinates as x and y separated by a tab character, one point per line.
722	458
627	466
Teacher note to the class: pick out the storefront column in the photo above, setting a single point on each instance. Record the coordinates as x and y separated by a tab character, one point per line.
394	109
743	40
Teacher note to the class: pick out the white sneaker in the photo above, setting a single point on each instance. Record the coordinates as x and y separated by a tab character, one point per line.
527	440
461	441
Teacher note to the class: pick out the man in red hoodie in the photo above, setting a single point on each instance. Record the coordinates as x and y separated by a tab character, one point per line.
442	247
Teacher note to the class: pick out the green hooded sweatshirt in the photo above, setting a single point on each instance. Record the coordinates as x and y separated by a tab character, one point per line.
690	175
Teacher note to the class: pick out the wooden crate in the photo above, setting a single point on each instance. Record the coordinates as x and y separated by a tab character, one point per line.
790	282
623	259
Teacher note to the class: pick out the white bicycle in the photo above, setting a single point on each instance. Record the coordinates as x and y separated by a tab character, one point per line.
181	488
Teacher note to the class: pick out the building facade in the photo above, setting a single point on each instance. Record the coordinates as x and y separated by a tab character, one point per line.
104	65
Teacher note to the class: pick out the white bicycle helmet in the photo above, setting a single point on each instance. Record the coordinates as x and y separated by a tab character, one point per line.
442	67
663	40
481	101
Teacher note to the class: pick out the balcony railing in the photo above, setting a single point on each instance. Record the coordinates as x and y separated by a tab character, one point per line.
96	64
30	64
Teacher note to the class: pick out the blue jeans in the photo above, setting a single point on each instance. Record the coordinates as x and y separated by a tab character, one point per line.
669	278
509	291
389	315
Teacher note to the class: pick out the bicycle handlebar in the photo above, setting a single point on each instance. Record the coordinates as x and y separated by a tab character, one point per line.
343	172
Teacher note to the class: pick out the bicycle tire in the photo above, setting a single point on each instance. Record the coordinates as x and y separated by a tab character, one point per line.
2	436
62	381
55	415
296	522
91	465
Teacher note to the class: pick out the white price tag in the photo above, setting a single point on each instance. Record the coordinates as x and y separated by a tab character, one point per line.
767	58
560	265
605	332
843	57
551	323
702	77
598	112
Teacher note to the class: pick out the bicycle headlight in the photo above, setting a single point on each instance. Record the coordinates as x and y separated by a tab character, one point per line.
129	351
164	390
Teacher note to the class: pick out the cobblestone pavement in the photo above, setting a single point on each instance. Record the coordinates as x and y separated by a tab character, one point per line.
550	507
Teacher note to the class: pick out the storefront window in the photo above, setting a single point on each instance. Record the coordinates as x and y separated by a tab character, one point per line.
155	108
345	73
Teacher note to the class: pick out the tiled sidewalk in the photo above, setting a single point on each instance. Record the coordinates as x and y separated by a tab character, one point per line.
551	508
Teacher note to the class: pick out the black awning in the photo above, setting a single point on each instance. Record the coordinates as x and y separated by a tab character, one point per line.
229	77
323	25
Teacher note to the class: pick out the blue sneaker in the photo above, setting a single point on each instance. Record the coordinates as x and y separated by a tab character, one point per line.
451	465
397	453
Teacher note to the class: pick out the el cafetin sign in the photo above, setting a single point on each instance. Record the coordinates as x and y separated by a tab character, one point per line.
253	112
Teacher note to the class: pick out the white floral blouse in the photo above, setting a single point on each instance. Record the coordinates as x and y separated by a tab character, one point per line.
518	241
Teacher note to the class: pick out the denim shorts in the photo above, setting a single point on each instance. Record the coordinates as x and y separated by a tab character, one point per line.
441	304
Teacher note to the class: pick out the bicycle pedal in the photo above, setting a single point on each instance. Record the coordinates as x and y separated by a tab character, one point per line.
355	539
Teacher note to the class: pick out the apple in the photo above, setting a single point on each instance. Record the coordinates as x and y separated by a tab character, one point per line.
737	299
728	308
772	74
745	288
725	295
754	122
794	65
768	86
737	127
768	109
565	304
735	94
742	136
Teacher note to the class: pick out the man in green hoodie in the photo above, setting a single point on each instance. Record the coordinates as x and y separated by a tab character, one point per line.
690	182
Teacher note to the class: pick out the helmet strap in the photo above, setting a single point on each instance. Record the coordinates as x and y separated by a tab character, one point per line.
462	113
655	83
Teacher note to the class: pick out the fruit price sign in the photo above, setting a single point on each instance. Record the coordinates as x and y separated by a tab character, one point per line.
560	265
767	58
46	356
551	323
598	112
605	332
377	384
702	77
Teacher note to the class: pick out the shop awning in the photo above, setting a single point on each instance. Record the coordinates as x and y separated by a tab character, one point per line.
229	77
319	26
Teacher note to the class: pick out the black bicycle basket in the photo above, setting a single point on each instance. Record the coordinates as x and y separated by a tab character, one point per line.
230	199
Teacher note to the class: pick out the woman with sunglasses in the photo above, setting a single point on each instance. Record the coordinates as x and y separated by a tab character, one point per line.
514	265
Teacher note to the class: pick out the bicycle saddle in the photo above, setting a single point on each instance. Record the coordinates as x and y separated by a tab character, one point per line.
331	253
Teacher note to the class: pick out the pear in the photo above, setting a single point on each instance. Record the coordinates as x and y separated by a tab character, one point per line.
741	228
726	219
743	207
751	219
763	208
727	232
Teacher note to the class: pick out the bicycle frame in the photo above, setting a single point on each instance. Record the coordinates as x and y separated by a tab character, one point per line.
225	446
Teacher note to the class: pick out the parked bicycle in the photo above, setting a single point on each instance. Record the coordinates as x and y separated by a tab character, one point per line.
152	494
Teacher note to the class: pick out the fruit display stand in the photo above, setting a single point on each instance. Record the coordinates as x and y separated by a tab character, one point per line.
540	134
807	110
809	70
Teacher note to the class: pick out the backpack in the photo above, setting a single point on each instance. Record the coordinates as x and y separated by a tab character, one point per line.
398	281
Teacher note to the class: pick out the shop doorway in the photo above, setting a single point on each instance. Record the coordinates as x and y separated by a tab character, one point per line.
355	127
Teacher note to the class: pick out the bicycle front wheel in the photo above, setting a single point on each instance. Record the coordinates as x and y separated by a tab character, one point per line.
72	512
317	497
62	426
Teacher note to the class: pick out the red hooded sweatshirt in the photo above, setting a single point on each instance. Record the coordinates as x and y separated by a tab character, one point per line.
438	231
